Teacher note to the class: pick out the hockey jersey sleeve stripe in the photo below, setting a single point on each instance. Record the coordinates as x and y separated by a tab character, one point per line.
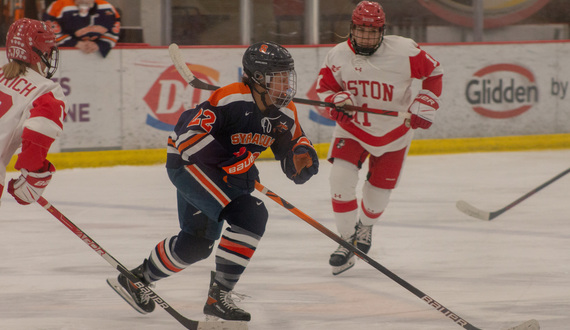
47	115
183	144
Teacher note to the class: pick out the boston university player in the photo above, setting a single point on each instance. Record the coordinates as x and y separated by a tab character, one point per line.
32	107
371	69
210	160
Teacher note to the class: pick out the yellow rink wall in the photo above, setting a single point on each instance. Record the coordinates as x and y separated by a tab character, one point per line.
418	147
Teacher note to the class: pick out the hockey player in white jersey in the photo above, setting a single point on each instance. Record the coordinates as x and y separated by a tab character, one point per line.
32	108
375	70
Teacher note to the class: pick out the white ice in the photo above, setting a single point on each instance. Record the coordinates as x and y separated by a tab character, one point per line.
494	274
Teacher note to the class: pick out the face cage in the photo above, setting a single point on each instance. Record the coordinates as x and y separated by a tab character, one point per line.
51	61
285	94
368	36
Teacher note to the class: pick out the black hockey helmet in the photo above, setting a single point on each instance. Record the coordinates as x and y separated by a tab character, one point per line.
264	61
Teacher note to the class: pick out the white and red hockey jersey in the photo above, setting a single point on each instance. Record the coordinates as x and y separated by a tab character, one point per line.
32	110
381	81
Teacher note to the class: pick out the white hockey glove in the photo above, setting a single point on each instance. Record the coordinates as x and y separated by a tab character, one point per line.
30	185
423	109
341	99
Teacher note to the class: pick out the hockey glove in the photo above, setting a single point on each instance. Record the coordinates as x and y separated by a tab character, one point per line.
241	171
301	164
423	109
337	113
30	185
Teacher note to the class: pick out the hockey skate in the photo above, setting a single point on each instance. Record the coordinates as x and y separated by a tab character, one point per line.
342	259
220	304
363	236
140	301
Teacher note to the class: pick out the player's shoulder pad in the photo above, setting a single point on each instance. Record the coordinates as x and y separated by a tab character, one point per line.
230	93
402	45
58	7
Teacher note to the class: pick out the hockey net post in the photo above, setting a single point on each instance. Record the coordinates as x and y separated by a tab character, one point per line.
528	325
192	80
187	323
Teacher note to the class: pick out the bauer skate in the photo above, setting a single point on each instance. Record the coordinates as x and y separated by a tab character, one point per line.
220	304
342	259
139	300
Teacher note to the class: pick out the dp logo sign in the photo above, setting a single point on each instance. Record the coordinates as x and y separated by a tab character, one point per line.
170	95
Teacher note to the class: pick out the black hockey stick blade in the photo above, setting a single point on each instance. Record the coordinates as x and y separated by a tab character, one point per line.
187	323
471	210
191	79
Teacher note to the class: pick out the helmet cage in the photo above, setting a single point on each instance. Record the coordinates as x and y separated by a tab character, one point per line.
50	59
370	40
281	87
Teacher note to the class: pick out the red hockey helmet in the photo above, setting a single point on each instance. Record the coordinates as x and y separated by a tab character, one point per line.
33	42
367	27
368	13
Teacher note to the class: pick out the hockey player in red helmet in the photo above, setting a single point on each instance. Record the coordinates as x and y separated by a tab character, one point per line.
376	70
32	107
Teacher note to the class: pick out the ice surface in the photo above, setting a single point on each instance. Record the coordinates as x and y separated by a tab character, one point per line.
494	274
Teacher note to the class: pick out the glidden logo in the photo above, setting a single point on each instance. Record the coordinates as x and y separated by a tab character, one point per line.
170	95
502	91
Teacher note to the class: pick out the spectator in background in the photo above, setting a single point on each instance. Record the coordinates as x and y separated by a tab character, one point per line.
90	25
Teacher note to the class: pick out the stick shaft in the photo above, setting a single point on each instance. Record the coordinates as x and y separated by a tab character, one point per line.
429	300
189	324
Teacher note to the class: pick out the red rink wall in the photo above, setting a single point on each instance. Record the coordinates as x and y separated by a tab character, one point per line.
131	99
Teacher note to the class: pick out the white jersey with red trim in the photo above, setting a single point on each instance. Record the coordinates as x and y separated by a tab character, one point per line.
381	81
30	103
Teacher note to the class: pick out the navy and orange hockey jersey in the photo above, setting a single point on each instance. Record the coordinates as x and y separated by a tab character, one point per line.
217	128
102	25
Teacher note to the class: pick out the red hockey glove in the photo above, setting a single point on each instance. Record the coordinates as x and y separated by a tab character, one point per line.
241	171
423	109
341	99
30	185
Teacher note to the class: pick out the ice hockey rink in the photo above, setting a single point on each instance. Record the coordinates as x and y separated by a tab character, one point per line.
494	274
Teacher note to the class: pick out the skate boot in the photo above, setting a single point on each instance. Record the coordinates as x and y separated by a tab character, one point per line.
220	304
363	236
139	300
342	259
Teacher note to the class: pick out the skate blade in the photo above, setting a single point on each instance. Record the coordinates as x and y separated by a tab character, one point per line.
115	285
336	270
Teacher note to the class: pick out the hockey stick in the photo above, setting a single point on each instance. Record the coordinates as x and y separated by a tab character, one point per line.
187	74
189	324
471	210
528	325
